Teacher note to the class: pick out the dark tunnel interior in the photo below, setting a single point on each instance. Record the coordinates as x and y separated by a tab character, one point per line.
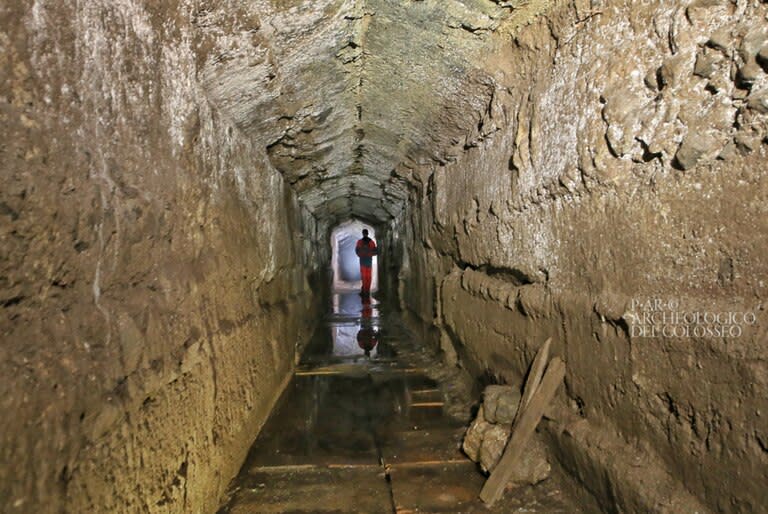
570	190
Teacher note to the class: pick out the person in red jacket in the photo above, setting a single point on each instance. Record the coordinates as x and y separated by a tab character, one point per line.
366	250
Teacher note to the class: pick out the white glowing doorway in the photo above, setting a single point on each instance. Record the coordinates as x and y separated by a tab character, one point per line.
344	261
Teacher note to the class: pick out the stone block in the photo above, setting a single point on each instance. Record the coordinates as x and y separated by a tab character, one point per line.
673	70
494	441
500	403
753	42
533	466
758	101
749	74
693	150
474	436
706	63
721	39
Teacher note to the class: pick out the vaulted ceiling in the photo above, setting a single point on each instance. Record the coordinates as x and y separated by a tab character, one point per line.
346	94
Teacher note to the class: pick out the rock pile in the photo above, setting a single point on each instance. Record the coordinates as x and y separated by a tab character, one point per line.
486	438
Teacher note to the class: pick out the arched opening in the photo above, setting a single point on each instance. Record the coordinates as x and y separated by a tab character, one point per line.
345	264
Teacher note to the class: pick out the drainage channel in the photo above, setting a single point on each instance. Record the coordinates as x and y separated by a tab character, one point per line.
362	427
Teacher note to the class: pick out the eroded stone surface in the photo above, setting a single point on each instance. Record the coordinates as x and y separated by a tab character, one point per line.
348	91
621	171
545	163
149	274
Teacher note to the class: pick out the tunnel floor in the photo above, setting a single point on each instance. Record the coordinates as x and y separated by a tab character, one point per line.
372	422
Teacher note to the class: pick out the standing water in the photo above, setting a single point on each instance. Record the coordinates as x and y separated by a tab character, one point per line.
371	422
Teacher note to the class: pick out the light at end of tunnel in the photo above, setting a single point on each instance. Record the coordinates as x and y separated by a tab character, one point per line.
345	263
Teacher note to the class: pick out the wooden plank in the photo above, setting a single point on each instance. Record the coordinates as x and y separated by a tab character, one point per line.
522	431
534	377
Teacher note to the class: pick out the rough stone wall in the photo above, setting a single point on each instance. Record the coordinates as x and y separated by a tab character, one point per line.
150	274
621	156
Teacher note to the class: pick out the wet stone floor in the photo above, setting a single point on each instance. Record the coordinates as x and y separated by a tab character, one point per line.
371	422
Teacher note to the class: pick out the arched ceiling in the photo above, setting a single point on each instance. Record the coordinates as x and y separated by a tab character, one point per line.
343	93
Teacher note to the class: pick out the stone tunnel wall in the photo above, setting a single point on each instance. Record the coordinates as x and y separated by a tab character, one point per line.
151	280
621	158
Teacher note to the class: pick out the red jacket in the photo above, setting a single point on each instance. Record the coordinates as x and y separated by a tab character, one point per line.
366	249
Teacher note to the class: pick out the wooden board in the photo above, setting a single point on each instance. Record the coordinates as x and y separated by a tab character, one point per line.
534	377
523	430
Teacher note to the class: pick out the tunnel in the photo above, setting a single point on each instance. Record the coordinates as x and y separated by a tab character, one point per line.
345	262
182	187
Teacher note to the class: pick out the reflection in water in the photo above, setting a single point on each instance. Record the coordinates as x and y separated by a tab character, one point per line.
366	308
367	339
367	336
352	305
344	420
345	341
359	337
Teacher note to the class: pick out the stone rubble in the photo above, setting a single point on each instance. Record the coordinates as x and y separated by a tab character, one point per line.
488	434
